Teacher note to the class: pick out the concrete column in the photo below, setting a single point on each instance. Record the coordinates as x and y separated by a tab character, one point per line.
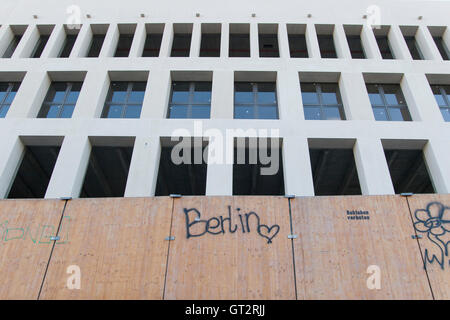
420	99
355	99
437	157
311	41
224	40
427	45
10	159
29	98
289	95
166	41
27	43
81	46
196	40
340	42
144	166
70	168
219	175
254	41
93	94
283	41
298	179
137	46
6	36
55	42
111	40
373	171
370	44
157	94
398	43
446	37
222	95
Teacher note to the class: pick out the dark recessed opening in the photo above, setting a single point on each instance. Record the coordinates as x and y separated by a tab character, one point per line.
297	46
239	45
124	45
96	45
34	173
255	172
107	172
186	178
326	45
181	45
334	172
152	45
68	45
268	46
408	171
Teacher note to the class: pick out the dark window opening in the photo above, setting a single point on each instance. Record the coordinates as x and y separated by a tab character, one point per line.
442	96
34	172
107	172
414	48
210	45
68	45
334	172
251	172
187	178
40	45
152	45
388	102
408	171
60	100
268	46
239	45
96	45
297	46
383	45
443	49
12	46
8	91
356	47
124	45
181	45
255	100
322	101
190	100
124	100
326	45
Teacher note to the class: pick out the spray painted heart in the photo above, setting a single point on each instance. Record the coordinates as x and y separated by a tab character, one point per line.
266	231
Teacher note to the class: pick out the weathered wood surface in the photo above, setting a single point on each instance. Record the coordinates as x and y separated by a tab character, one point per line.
119	246
332	253
431	216
226	265
25	230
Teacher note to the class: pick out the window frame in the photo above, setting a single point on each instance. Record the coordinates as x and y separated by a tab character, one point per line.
255	104
124	105
412	41
63	103
190	103
40	46
442	47
386	106
3	103
321	105
390	53
444	94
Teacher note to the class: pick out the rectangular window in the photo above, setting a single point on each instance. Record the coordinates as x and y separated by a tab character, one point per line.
239	45
8	91
326	45
383	45
268	41
40	45
442	95
355	46
190	100
181	43
68	45
96	45
124	100
322	101
124	45
388	102
297	41
443	49
255	100
12	46
60	100
153	40
414	48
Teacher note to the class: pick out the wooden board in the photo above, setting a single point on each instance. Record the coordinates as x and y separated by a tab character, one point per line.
119	246
230	265
332	253
25	230
431	216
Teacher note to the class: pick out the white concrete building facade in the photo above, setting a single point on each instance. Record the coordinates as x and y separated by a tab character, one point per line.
428	130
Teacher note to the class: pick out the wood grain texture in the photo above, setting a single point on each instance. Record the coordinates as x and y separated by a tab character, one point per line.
431	216
25	230
119	246
333	253
231	265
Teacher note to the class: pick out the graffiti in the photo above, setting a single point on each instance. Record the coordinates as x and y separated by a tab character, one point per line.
41	234
358	215
196	227
434	221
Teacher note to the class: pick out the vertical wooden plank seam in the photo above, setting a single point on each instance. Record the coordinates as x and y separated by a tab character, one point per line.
293	251
420	249
51	252
168	250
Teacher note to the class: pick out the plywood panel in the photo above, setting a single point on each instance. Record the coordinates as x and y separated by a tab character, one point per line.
431	216
119	246
25	230
220	264
333	252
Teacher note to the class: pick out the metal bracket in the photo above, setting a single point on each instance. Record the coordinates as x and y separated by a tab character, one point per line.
416	236
289	196
292	236
55	238
171	238
406	194
65	198
175	195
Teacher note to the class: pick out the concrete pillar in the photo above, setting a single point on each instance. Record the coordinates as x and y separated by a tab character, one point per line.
373	171
27	43
298	179
166	41
420	99
289	95
446	37
254	41
93	94
311	41
157	94
222	95
81	46
29	98
283	41
437	158
370	44
10	159
398	43
144	166
224	40
6	36
55	42
427	45
196	40
70	168
137	47
340	42
111	40
219	175
355	99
